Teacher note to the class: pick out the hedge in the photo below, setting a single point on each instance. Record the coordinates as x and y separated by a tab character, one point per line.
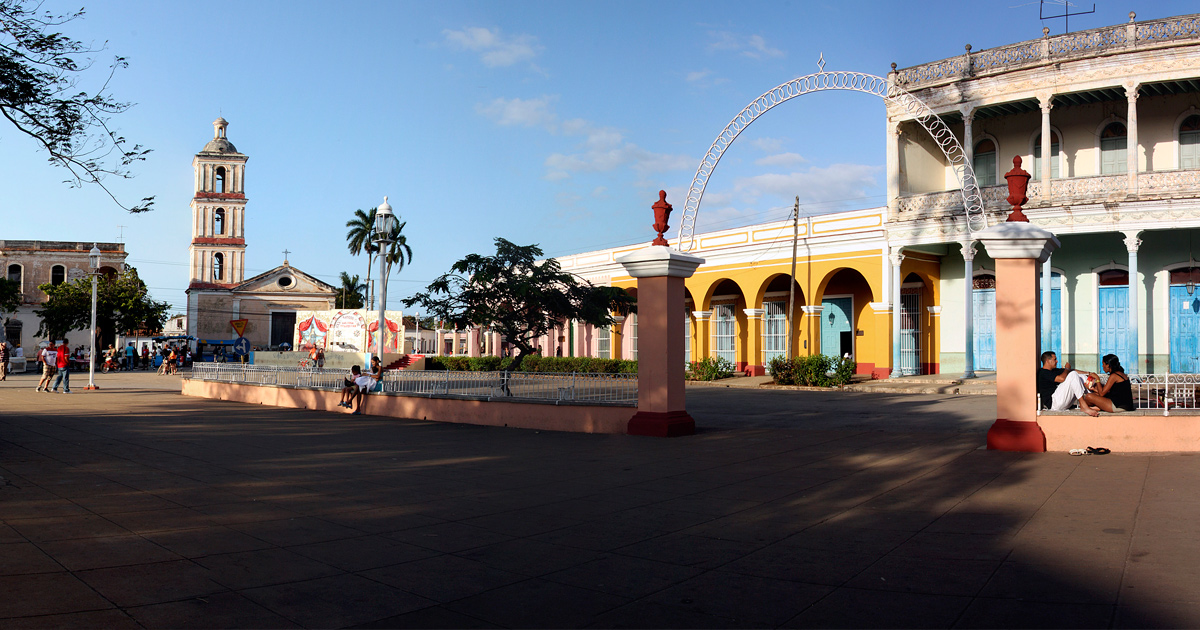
532	363
817	370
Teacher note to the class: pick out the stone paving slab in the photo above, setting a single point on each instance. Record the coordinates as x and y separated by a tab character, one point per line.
135	507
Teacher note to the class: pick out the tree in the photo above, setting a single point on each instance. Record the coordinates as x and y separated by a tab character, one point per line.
518	295
361	238
40	70
10	296
122	304
397	249
350	295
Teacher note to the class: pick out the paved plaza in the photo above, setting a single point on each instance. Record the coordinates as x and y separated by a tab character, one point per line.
136	507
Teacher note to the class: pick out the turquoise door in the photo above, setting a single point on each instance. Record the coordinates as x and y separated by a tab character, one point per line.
1185	331
984	309
1114	322
837	330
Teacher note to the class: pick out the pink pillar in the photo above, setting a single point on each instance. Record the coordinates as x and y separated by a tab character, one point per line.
1017	248
473	342
660	272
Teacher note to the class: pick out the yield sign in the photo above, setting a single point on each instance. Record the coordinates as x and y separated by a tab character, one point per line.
239	326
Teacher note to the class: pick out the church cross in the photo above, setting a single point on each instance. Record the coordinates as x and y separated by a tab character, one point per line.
285	255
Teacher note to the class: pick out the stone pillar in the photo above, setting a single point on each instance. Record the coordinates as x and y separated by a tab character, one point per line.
1045	304
754	347
893	166
1017	247
700	347
660	273
1047	136
897	280
497	343
968	253
1132	242
456	343
968	115
616	338
583	347
1131	144
883	342
812	317
473	342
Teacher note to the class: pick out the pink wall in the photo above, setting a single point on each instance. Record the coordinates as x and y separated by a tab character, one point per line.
1123	433
549	417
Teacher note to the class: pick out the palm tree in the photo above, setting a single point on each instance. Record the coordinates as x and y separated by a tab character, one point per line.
361	237
398	249
351	293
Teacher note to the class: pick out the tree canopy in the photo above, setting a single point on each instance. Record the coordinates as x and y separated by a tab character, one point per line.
350	294
40	72
518	295
10	296
122	304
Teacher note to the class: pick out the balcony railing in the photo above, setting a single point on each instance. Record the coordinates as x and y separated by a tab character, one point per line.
1129	36
1151	185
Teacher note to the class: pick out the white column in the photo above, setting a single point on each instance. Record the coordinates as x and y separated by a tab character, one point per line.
893	165
1131	146
1132	242
1047	104
968	253
897	258
968	115
1046	321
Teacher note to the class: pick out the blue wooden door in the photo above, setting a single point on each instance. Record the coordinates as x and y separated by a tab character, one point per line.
837	329
984	309
1114	322
1185	331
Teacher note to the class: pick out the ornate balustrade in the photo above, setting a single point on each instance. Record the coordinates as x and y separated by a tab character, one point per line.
1060	47
1070	191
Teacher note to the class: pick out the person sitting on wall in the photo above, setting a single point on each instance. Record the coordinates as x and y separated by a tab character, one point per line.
372	382
1115	395
1049	376
350	388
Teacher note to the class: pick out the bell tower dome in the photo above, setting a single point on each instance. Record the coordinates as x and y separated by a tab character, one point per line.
218	248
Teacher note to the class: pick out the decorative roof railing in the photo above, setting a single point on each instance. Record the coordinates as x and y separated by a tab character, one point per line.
1153	185
1131	36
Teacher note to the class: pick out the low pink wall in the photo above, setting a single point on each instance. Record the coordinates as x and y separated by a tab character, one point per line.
1123	433
577	418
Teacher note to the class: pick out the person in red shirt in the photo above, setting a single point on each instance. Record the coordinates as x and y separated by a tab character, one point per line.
63	362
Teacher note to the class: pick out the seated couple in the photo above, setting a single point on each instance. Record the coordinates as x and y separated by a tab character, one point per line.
358	384
1061	388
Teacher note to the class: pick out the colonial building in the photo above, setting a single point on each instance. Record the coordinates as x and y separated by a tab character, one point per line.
1114	111
218	291
33	263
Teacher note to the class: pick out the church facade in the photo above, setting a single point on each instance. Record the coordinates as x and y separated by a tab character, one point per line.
218	291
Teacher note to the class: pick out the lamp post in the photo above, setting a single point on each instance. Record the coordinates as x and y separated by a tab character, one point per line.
385	222
94	265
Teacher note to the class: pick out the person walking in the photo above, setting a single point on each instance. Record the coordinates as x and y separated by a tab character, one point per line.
63	364
130	355
3	360
48	357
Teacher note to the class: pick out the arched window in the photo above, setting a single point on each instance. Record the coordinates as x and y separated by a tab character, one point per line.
1114	278
1037	156
984	162
218	266
1189	143
1113	156
220	179
58	274
14	274
219	221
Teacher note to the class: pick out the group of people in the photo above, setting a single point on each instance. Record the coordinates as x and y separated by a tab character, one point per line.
55	361
358	384
1063	388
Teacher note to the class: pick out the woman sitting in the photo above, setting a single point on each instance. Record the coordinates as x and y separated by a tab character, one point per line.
1114	395
351	388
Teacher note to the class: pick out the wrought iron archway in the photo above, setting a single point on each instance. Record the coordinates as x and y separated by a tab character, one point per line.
840	80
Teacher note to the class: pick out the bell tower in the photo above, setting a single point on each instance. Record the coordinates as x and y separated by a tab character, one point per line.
218	248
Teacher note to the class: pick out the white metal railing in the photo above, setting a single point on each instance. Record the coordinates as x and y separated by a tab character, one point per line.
573	387
1168	392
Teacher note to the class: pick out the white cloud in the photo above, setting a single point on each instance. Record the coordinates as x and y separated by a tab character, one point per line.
533	112
752	46
768	145
781	159
692	77
495	49
605	149
837	182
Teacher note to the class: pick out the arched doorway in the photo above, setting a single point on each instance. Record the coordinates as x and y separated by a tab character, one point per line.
844	298
728	323
983	306
1113	313
910	325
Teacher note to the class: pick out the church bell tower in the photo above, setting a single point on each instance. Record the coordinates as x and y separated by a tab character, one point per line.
218	248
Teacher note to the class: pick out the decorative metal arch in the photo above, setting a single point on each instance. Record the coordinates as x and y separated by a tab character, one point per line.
841	80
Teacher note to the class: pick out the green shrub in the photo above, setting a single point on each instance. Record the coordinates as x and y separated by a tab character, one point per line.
711	369
533	363
782	370
817	370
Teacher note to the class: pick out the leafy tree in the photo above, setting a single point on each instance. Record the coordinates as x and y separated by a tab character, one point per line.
518	295
10	296
361	238
39	95
350	295
122	304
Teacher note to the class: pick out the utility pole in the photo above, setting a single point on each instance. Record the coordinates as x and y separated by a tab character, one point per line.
792	284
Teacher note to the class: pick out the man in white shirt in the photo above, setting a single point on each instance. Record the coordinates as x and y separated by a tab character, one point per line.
48	357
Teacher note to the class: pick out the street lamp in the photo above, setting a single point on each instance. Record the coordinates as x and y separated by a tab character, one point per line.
94	265
385	222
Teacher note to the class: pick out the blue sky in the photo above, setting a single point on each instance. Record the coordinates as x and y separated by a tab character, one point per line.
542	122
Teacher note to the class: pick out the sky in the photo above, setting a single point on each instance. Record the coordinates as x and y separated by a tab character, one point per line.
553	123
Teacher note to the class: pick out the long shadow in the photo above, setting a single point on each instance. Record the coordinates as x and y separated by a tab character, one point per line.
803	514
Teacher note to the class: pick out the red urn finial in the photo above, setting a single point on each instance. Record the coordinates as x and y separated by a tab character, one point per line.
662	213
1018	182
